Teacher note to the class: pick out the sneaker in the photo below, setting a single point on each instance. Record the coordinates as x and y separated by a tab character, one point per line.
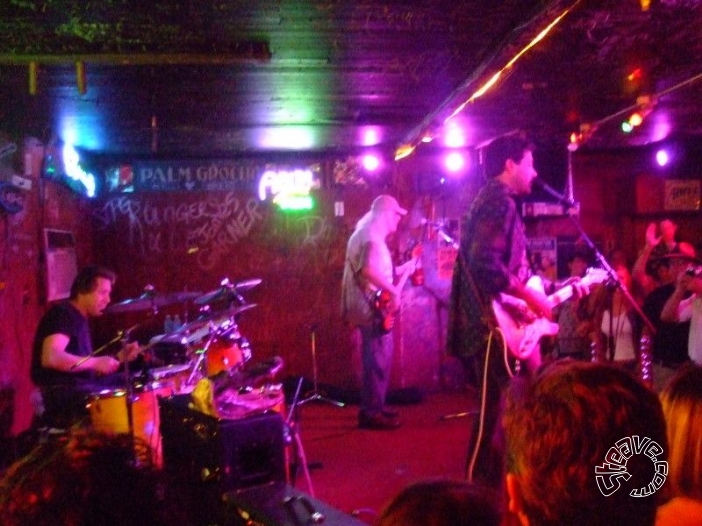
377	421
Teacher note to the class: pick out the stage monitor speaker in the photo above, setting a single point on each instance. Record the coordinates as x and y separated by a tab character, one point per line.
279	504
224	454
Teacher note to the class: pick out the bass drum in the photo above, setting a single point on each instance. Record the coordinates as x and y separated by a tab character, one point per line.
108	414
226	353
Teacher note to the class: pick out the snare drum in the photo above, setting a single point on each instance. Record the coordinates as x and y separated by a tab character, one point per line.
108	414
176	375
227	352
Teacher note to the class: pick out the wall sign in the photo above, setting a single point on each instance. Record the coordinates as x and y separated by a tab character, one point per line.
289	189
183	176
61	263
682	194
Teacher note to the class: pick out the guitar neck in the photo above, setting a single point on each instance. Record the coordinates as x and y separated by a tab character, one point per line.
403	279
560	296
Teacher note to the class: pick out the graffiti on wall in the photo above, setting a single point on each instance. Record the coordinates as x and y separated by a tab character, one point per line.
208	227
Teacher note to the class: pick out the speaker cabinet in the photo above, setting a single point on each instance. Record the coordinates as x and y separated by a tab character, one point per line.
223	454
279	504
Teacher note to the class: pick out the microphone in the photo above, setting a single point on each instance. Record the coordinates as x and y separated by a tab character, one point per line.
568	203
439	226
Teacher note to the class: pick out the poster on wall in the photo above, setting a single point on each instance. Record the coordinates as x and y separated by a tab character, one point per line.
682	194
61	263
543	252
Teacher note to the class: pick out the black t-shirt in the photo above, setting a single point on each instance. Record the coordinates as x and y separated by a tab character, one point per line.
670	340
62	318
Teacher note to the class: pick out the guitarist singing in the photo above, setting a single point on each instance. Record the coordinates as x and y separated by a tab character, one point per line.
492	260
369	270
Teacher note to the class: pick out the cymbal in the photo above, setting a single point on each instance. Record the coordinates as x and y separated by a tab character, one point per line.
197	329
227	291
247	284
150	300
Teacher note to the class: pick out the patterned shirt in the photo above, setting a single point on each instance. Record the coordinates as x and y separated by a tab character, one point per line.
493	247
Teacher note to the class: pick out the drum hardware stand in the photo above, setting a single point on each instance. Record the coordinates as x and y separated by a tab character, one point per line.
202	354
315	395
129	395
291	426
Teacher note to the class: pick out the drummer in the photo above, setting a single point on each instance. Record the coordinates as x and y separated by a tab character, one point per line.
62	342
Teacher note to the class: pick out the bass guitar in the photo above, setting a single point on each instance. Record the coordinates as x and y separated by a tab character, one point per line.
381	300
521	327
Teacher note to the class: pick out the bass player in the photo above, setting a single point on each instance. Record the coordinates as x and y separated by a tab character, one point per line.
369	270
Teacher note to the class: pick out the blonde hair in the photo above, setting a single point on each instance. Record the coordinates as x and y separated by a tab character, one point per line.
682	407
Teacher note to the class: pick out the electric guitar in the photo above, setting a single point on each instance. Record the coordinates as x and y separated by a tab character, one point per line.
521	327
381	300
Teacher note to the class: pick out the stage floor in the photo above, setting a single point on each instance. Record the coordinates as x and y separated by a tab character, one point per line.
359	471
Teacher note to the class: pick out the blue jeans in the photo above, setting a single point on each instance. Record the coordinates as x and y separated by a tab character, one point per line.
376	358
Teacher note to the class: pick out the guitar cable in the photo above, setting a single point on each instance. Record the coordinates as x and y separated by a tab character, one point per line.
483	398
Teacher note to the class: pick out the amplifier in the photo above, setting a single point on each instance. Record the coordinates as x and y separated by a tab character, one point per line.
223	454
279	504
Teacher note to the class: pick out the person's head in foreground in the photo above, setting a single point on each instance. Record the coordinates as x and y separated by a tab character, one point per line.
586	445
443	502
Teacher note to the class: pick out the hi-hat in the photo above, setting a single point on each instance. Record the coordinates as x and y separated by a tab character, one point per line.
228	291
150	300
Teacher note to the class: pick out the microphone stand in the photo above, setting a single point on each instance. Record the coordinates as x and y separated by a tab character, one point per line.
613	276
644	357
569	203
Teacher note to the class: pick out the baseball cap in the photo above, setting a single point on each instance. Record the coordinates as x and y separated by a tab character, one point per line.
683	251
387	203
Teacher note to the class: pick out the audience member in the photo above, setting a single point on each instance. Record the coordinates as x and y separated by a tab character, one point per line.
680	307
682	407
443	502
575	316
85	479
570	422
660	240
619	325
669	343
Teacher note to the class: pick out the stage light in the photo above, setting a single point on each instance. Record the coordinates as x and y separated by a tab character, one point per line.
454	162
662	157
454	137
370	162
627	127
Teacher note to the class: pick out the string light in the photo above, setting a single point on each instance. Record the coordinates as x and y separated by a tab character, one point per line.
406	149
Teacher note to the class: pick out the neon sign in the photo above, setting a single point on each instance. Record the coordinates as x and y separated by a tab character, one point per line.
75	172
288	189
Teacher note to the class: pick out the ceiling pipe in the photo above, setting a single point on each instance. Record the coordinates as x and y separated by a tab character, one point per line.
140	59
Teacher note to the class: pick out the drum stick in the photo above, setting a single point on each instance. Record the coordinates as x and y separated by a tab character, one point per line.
97	351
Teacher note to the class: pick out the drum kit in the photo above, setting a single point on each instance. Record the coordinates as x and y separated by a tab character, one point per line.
209	347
